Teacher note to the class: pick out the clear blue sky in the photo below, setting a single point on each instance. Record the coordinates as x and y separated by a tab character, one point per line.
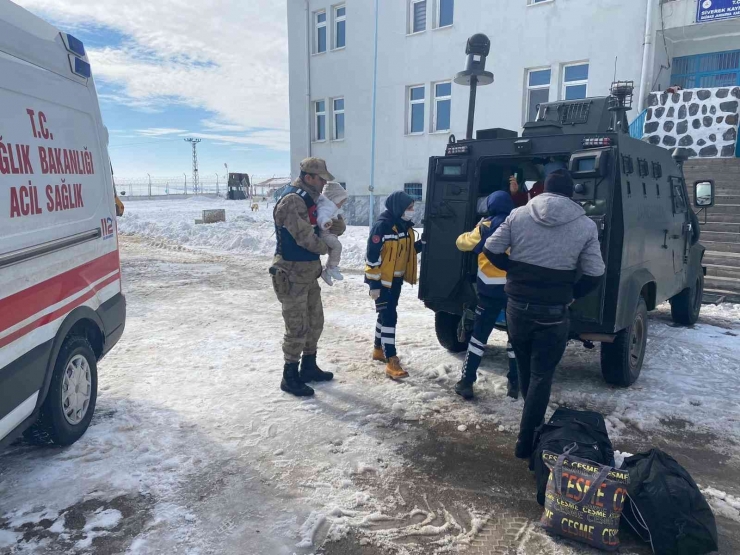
166	70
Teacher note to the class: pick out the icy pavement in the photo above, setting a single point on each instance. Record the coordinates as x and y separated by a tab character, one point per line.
195	450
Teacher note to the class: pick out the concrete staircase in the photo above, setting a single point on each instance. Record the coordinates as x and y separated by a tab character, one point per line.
721	232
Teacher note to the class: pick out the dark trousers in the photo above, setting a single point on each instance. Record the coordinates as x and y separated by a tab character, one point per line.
486	314
539	335
387	309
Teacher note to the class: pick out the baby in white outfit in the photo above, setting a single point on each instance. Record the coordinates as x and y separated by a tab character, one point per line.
328	206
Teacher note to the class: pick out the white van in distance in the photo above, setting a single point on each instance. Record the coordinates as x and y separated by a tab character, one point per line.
61	304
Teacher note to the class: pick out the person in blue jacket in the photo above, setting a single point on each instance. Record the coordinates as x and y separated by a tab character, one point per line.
491	296
391	260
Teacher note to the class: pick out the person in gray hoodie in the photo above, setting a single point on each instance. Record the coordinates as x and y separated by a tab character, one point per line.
554	258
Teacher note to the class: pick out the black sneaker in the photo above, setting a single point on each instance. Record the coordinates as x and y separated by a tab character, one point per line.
292	384
464	389
310	372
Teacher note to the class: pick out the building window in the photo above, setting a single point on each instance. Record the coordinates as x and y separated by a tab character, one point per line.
320	125
446	14
718	69
320	32
413	190
340	27
442	106
338	109
575	81
418	16
416	110
538	90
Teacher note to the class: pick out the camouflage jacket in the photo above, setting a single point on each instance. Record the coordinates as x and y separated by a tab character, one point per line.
292	214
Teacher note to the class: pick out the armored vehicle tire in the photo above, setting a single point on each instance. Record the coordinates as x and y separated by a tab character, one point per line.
685	306
446	324
621	361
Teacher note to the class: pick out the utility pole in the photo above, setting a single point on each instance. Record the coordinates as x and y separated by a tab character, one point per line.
194	143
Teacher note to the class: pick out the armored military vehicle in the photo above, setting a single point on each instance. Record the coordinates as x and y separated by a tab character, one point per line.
634	192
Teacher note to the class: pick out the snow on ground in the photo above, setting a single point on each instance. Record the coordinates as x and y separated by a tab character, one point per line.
194	449
244	232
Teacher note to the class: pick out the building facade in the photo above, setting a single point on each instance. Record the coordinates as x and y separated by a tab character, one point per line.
541	50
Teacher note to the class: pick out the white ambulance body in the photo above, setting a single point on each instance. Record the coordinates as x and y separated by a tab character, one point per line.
61	304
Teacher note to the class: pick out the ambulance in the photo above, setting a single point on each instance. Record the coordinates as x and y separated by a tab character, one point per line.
61	303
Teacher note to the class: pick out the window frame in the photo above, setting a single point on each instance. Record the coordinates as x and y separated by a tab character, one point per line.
412	5
335	113
316	27
438	14
418	197
576	83
410	103
529	88
437	99
338	19
316	115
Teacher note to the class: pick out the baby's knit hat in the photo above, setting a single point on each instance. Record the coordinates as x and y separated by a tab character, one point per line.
334	192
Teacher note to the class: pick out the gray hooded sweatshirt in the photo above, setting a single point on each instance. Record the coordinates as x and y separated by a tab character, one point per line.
551	241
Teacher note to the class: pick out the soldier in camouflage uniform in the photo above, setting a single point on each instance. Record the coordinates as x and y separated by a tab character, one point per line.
295	271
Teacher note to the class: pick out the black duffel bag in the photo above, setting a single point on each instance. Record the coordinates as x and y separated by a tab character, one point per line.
586	429
665	507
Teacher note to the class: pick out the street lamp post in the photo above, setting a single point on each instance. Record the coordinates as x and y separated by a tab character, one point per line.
150	185
186	183
216	183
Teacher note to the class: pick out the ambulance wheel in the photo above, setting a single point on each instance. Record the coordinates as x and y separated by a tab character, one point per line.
70	402
621	361
685	306
446	325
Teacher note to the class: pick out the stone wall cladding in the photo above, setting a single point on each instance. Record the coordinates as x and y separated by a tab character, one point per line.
705	121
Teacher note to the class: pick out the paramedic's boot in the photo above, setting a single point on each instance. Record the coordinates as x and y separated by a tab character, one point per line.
335	273
292	384
310	372
393	369
464	389
326	277
378	354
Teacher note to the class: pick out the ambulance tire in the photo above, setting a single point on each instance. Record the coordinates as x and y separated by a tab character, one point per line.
52	427
446	326
621	361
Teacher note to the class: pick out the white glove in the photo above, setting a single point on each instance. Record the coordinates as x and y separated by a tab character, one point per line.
375	294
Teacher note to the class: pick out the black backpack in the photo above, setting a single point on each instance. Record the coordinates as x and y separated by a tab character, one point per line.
666	508
586	429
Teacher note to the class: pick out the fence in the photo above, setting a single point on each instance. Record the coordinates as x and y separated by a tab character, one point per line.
183	185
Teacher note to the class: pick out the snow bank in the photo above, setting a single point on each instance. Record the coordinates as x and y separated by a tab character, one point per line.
243	232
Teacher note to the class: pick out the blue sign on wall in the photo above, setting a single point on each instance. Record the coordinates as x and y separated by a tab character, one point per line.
715	10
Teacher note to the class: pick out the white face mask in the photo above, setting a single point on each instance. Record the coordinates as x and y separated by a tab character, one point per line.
408	215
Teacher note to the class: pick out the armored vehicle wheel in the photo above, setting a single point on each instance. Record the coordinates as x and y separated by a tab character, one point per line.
446	324
621	361
685	306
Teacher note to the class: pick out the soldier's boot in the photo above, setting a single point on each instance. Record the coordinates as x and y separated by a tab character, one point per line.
310	372
291	382
393	369
378	354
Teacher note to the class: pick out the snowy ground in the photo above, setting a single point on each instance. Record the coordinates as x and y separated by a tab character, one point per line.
194	449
